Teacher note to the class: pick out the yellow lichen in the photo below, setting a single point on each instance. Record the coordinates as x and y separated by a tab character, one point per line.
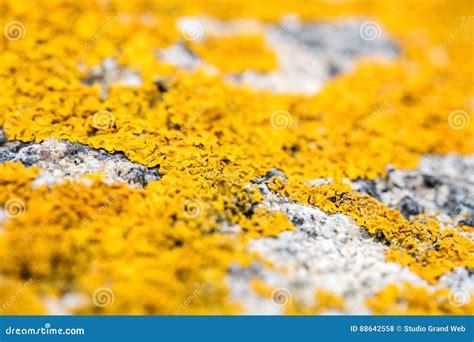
18	297
429	250
323	301
283	297
261	288
265	223
237	53
154	247
408	299
79	237
15	181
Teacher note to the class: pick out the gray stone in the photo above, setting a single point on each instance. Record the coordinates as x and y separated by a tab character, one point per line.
60	160
409	207
308	54
109	73
443	184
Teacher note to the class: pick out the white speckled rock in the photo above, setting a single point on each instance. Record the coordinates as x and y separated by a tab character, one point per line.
61	160
329	252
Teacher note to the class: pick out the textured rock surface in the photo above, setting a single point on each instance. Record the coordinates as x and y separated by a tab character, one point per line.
109	73
331	252
61	160
441	185
308	54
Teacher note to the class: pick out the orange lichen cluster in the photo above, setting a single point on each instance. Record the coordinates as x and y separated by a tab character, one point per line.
237	53
408	299
209	139
427	249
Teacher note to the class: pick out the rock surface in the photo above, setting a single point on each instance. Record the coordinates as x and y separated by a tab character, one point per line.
441	185
331	252
308	55
60	160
